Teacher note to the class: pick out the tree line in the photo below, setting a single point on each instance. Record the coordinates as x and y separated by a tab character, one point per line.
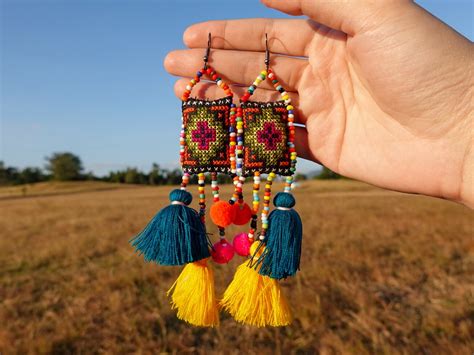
67	166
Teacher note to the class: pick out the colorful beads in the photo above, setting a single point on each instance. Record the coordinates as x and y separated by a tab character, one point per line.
266	204
232	139
209	71
184	181
239	151
202	197
214	187
255	205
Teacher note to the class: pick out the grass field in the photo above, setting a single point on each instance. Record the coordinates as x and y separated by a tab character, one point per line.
381	273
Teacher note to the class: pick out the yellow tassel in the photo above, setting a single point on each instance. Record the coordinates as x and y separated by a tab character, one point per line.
255	299
193	295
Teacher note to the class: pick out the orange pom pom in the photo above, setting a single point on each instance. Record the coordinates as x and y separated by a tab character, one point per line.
243	213
222	213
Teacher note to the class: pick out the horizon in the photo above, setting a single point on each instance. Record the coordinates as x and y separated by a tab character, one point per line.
87	77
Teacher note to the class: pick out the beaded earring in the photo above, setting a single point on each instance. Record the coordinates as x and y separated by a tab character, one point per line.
177	235
254	296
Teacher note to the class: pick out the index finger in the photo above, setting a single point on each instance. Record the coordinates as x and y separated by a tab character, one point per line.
285	36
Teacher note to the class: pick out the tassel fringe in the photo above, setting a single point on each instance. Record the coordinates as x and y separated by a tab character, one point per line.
193	295
255	299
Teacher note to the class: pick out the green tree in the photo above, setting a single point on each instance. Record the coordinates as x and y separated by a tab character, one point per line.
156	175
31	175
134	176
64	166
327	174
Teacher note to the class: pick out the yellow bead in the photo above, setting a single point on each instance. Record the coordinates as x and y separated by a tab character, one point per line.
289	107
264	72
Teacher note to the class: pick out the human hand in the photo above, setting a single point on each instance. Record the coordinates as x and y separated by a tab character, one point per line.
384	89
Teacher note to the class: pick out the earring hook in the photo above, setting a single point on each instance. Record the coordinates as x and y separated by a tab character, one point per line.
267	52
208	50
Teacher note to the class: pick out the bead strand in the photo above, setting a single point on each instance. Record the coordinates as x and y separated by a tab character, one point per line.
232	139
184	181
214	187
261	77
291	118
255	205
202	197
209	71
288	184
182	142
239	124
266	204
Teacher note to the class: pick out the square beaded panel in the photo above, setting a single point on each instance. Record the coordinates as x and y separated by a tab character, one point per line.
206	134
266	138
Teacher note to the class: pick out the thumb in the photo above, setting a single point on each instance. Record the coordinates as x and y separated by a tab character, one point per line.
348	16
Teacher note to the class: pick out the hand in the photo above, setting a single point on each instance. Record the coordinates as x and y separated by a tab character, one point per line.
383	88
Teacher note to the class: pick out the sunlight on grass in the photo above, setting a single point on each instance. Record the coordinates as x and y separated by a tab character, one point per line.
381	272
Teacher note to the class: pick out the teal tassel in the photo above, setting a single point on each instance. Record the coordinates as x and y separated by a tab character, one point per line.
281	257
176	235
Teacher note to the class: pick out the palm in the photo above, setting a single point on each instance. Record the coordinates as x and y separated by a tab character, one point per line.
369	100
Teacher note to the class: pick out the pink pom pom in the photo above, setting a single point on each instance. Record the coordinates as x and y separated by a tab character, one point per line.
242	244
223	252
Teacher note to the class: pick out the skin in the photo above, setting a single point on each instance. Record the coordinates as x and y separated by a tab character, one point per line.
383	89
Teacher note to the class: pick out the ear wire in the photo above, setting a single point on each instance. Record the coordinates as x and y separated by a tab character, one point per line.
267	52
208	51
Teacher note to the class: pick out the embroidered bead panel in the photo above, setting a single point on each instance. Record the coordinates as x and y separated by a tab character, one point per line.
266	138
206	127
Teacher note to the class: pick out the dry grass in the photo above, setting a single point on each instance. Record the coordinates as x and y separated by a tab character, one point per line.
381	273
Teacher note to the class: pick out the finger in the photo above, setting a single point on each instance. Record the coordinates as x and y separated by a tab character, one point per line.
211	91
249	35
302	144
347	16
237	67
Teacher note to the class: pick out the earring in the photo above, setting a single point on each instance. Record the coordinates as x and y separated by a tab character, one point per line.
177	234
254	296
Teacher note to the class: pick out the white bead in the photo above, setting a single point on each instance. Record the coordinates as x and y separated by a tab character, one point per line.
188	87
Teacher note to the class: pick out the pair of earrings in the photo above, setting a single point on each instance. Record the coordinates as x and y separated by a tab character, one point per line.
219	137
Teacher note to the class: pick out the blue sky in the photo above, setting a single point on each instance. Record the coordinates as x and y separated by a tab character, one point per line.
87	76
